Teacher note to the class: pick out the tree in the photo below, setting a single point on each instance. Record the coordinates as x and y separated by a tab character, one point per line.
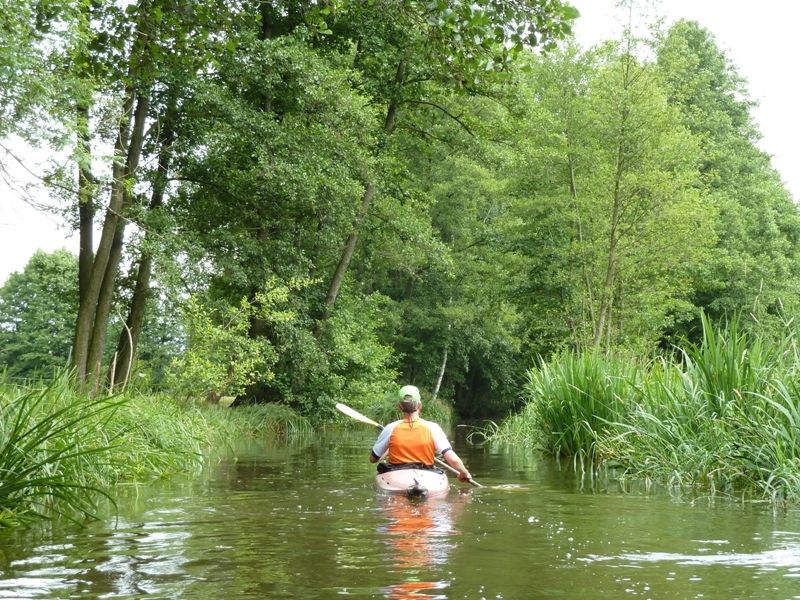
408	50
754	266
613	213
133	59
37	314
275	153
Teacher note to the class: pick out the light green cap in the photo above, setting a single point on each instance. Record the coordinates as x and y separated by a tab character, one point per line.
408	390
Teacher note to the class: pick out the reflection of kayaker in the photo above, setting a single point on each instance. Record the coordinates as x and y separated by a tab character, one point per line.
415	589
419	535
411	444
410	532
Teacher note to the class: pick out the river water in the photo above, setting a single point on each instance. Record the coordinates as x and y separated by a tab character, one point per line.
303	521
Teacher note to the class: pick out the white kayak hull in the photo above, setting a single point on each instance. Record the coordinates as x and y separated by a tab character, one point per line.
413	482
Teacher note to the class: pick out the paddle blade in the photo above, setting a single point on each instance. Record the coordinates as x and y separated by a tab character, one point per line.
356	415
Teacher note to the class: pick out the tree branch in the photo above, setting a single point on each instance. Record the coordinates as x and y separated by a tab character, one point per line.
444	110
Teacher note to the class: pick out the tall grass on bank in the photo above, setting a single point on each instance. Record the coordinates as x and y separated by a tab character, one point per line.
571	403
60	452
723	416
47	446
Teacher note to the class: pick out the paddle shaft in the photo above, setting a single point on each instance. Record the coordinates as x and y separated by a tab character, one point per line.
364	419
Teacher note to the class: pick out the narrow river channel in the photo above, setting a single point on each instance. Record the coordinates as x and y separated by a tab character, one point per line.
303	521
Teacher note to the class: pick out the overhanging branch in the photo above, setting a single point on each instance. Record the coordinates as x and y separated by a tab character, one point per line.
445	111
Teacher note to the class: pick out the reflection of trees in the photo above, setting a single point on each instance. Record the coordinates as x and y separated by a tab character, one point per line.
419	534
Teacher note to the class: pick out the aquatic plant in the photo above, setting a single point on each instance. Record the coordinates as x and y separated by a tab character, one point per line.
731	362
570	403
48	443
723	416
60	451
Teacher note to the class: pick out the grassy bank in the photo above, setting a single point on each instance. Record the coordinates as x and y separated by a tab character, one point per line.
60	452
723	416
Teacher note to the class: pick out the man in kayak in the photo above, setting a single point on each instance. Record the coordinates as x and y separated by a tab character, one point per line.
412	441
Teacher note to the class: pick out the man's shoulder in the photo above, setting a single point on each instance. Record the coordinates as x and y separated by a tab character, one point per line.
431	424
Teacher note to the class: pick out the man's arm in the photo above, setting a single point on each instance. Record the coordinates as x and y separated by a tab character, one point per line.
454	461
381	446
443	446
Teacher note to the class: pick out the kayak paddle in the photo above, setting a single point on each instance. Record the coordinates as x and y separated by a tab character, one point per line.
364	419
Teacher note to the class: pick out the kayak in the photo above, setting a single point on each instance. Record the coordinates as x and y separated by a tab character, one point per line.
413	482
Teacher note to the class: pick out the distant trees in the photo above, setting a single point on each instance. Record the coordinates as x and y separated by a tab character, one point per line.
753	265
331	196
37	315
609	203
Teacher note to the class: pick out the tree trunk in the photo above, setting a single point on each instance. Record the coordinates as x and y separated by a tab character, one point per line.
438	385
573	191
443	366
347	252
85	203
129	338
88	302
607	291
604	319
102	272
369	193
106	296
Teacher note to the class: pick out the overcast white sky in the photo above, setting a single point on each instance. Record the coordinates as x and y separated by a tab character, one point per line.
761	39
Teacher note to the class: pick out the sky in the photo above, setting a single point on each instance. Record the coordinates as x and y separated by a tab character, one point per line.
760	39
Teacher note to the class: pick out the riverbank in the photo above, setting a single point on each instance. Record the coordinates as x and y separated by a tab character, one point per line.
60	452
723	416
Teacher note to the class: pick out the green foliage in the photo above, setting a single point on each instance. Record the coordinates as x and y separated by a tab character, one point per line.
459	44
60	452
277	148
33	82
37	315
360	364
753	267
608	214
722	416
346	362
486	35
221	356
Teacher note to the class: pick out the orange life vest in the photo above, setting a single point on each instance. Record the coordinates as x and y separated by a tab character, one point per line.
411	442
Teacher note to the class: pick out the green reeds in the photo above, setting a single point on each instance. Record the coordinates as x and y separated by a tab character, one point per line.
60	452
46	441
269	420
723	416
730	363
571	403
